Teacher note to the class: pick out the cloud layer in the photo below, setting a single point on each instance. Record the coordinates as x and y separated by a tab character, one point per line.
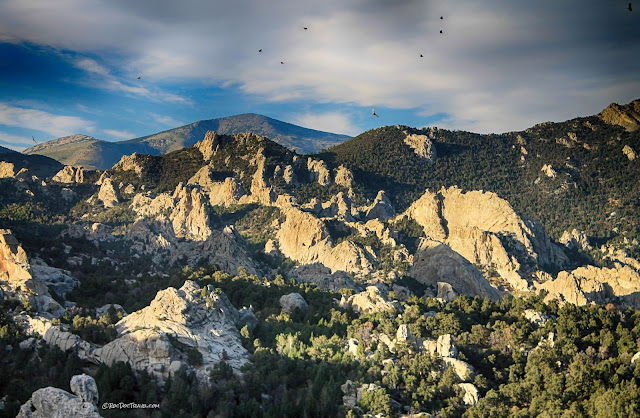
498	65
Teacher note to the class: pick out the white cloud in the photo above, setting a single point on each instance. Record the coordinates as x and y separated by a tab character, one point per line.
105	80
55	125
569	56
166	120
328	121
119	134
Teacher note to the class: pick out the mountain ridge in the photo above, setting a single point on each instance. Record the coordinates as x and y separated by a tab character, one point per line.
83	150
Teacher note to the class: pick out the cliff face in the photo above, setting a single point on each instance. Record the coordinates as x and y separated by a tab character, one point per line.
485	230
627	116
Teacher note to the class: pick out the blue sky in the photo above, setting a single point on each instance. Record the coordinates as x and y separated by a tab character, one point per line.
72	66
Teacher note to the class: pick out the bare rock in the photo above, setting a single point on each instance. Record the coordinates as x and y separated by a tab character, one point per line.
190	217
548	170
446	346
381	208
595	284
369	301
293	301
340	206
575	239
446	292
627	116
319	171
69	174
51	402
7	170
435	262
403	334
536	318
220	193
629	152
322	277
344	177
85	387
422	145
470	393
210	145
463	370
108	193
133	162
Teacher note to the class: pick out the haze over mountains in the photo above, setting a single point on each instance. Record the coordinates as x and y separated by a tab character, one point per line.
92	153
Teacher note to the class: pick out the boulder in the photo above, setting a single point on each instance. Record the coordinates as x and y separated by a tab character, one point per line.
446	347
69	174
575	240
629	152
85	387
318	171
463	370
293	301
470	393
322	277
369	301
108	193
536	318
51	402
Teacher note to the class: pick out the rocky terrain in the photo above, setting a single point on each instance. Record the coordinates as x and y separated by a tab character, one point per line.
225	250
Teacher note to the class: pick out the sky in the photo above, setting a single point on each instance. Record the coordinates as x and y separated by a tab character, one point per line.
121	69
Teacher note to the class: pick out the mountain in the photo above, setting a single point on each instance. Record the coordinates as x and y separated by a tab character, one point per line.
404	272
581	173
82	150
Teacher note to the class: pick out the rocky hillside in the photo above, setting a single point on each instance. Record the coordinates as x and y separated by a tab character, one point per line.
259	281
92	153
579	174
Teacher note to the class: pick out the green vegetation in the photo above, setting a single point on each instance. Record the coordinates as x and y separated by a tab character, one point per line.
594	177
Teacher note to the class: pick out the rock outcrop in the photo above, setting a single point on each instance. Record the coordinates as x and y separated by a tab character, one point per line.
210	145
69	174
318	172
381	208
188	327
470	395
190	216
369	301
289	303
575	240
629	152
436	262
322	277
422	145
220	193
595	284
480	226
133	162
108	193
627	116
7	170
17	280
304	238
85	387
51	402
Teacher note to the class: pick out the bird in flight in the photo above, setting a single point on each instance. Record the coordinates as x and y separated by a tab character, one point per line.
440	30
281	62
441	17
630	8
260	50
138	78
34	140
305	28
421	56
373	113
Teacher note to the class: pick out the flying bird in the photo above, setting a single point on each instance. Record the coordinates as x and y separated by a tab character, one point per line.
260	50
441	17
630	8
373	113
440	30
138	78
305	28
421	56
34	140
281	62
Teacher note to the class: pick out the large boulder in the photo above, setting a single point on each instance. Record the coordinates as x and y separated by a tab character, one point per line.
52	402
293	301
85	387
369	301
